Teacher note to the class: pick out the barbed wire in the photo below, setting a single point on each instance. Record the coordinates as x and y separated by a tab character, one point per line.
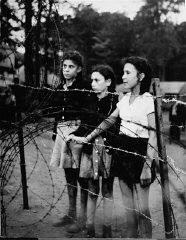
32	130
43	127
164	98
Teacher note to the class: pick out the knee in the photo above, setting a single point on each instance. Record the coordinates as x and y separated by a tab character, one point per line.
93	196
83	183
107	194
144	213
93	193
93	187
107	189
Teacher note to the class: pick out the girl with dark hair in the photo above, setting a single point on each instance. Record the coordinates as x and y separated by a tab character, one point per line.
142	66
68	119
137	141
97	161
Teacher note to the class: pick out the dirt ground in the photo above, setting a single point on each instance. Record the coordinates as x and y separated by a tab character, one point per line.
47	194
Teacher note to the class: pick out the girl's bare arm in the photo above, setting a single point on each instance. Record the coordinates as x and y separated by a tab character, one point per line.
106	124
145	177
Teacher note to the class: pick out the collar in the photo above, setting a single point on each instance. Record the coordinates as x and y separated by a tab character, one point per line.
65	86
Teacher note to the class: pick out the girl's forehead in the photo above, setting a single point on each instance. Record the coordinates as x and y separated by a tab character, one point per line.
97	75
69	62
129	66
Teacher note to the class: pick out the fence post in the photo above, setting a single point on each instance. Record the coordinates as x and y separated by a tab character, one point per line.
22	155
3	232
168	221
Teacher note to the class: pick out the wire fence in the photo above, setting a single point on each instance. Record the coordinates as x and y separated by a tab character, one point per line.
29	208
47	188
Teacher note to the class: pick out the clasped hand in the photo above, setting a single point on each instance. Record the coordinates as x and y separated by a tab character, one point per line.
77	139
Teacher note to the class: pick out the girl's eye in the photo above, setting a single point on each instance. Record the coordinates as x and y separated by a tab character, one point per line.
70	66
95	80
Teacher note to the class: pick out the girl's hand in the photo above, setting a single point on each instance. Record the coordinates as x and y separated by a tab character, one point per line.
80	139
145	178
70	137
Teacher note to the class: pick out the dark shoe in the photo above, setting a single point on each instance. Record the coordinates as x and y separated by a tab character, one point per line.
90	230
107	231
64	221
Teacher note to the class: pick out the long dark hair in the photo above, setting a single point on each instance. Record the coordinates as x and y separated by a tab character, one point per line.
108	73
77	59
142	65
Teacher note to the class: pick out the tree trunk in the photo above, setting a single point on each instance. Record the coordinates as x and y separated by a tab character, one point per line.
46	42
37	42
28	57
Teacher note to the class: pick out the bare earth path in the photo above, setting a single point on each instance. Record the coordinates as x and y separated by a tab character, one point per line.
47	196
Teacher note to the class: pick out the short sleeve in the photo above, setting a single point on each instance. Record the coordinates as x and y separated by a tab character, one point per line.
149	102
119	104
122	100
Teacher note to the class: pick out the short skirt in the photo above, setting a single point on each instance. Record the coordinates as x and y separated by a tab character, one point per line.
66	155
129	158
97	163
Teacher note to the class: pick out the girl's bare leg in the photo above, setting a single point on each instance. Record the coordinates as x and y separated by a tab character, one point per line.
84	199
131	216
142	204
107	193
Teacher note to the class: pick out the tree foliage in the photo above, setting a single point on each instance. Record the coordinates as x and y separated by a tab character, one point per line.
7	20
113	40
155	36
100	37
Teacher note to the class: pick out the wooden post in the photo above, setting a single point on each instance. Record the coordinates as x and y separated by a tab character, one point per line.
22	160
3	232
169	231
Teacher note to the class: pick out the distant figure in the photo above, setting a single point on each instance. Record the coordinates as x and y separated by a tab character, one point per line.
177	119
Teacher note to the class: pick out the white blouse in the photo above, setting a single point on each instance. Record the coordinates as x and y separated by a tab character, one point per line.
134	121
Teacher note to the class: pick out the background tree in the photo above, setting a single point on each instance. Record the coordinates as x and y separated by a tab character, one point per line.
28	60
7	20
155	35
37	62
79	31
47	40
100	37
181	34
36	37
113	40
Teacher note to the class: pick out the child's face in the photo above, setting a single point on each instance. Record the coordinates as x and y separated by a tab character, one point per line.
70	69
130	76
99	83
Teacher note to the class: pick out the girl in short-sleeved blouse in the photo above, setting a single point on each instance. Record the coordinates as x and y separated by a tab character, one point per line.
134	116
137	144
